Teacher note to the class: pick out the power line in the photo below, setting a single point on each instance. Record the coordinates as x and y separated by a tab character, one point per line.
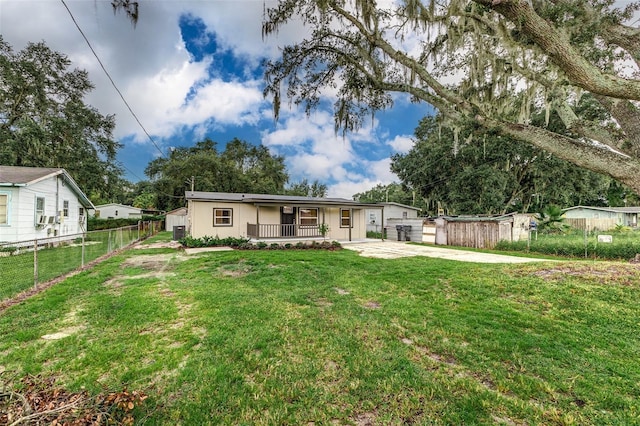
111	79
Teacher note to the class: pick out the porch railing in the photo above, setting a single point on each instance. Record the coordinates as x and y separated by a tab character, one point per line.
264	231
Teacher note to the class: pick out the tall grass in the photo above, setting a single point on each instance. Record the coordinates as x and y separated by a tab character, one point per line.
577	244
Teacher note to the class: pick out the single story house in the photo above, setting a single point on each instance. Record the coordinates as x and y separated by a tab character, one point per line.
39	202
601	218
266	217
376	222
117	211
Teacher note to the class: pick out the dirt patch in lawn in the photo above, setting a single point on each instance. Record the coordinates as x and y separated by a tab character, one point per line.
603	273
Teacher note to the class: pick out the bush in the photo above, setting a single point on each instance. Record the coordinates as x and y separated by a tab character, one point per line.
208	241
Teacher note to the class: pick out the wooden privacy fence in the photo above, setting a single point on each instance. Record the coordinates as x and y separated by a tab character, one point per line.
592	224
477	234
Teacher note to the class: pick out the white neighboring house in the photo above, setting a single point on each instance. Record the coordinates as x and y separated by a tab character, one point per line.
39	202
390	211
177	217
117	211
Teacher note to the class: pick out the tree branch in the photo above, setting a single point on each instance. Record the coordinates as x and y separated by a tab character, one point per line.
555	43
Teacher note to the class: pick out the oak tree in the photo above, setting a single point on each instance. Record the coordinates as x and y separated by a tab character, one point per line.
470	59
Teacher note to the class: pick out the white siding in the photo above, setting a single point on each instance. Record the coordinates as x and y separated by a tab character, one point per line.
22	214
117	211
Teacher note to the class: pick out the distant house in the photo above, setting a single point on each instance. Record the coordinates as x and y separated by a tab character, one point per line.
601	218
377	218
117	211
263	216
38	202
177	217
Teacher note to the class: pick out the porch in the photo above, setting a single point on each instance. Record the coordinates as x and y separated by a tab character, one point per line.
282	230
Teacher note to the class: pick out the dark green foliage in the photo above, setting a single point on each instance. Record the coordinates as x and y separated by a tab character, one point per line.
96	224
45	122
241	167
481	172
208	241
306	189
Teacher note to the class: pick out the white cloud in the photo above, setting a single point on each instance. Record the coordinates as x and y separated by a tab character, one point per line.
401	143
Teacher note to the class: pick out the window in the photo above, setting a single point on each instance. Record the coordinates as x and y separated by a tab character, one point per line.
65	208
345	218
4	209
39	210
404	215
222	217
116	212
309	217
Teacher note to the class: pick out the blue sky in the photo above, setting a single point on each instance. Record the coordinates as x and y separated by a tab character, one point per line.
190	70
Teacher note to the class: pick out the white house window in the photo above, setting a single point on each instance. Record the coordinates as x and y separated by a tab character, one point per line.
345	218
4	209
116	213
65	208
222	217
309	217
39	210
404	215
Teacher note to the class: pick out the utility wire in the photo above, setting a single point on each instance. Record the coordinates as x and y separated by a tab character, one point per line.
111	79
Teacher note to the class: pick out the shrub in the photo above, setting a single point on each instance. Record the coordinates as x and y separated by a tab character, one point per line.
208	241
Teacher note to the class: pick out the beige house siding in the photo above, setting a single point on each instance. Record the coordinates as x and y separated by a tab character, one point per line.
200	220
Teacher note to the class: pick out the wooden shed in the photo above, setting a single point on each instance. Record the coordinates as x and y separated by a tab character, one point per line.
480	231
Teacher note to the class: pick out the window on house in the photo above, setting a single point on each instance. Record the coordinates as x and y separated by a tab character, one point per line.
222	217
65	208
80	214
404	215
4	209
39	210
345	218
309	217
116	213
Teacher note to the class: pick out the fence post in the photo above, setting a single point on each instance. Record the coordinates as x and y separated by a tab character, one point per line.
35	263
82	251
109	242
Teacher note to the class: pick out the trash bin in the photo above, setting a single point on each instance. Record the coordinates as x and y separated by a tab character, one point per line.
407	232
400	230
178	232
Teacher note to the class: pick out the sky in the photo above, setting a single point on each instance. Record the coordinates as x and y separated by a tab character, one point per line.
190	70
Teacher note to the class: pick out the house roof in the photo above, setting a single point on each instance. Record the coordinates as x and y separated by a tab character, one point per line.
16	176
273	199
483	218
118	205
635	209
180	211
404	206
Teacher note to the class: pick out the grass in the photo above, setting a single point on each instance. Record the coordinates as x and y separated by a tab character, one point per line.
625	245
315	337
18	272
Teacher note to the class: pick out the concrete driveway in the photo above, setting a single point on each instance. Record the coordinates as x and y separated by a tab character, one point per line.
395	250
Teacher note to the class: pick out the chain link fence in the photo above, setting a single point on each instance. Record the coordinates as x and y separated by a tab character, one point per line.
26	264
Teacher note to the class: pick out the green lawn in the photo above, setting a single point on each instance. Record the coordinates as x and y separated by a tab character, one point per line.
319	337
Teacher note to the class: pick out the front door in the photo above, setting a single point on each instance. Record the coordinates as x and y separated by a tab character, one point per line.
288	221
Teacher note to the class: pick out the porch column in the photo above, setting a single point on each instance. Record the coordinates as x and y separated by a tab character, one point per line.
257	221
350	221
